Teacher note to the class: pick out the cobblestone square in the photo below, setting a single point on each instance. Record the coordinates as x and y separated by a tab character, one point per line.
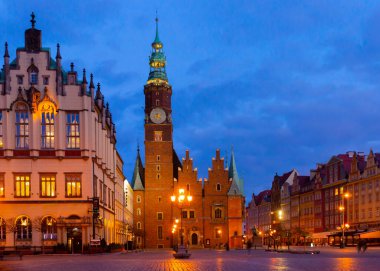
333	259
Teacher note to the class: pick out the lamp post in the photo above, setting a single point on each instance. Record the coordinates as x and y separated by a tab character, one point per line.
180	199
343	226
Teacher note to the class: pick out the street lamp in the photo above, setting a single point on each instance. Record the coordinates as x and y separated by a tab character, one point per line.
344	226
180	199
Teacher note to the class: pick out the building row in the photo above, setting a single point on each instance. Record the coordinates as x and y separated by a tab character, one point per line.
338	203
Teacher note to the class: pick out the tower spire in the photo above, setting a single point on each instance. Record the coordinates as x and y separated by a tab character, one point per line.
33	21
157	61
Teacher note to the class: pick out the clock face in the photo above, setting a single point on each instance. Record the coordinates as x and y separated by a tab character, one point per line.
157	115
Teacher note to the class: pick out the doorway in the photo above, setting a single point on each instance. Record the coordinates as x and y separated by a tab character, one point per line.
74	240
194	239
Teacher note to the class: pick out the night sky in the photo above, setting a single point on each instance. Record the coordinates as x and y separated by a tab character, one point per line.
288	84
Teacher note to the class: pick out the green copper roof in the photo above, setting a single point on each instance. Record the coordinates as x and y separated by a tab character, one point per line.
137	178
237	186
157	38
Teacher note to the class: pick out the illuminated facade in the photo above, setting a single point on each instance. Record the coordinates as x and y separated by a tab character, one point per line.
215	214
57	151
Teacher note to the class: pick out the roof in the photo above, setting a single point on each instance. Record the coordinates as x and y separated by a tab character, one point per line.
236	187
263	195
138	178
176	164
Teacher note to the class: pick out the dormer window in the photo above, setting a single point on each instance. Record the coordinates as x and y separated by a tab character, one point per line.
33	78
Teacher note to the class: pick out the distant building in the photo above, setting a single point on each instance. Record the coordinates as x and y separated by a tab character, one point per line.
57	153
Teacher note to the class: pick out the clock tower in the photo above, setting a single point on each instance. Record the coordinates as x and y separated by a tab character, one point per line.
159	153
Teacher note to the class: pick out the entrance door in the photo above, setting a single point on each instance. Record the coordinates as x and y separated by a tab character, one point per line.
74	240
194	239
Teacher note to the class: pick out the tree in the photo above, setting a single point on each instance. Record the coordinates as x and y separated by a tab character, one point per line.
11	227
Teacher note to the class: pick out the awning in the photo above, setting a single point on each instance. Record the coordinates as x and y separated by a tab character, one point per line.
372	234
321	234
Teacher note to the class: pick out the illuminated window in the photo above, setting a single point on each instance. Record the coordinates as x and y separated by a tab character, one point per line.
22	186
3	229
138	211
218	233
49	228
72	130
157	102
336	191
159	232
23	228
157	135
47	130
2	185
218	213
47	186
22	127
73	185
1	130
160	216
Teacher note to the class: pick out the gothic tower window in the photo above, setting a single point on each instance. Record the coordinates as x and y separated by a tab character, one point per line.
218	187
22	126
72	130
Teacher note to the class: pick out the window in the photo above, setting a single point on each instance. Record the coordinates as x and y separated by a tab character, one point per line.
157	135
159	199
22	126
158	176
138	199
218	187
157	102
138	225
184	214
188	187
72	130
159	232
158	158
1	130
109	197
218	213
22	186
45	79
218	233
101	192
138	211
3	229
47	186
105	194
158	168
73	185
113	200
336	191
47	130
160	216
20	79
2	186
49	228
191	214
33	77
23	228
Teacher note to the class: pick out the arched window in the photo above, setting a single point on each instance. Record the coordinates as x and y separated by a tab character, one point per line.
218	213
138	211
3	229
23	228
47	128
49	228
138	225
218	187
138	199
22	126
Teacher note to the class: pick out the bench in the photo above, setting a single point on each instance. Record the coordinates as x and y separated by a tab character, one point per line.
11	253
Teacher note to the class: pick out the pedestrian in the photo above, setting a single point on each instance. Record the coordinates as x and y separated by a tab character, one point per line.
359	245
364	246
249	245
227	246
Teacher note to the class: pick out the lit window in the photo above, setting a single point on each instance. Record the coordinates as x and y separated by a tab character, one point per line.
47	186
49	228
72	130
3	229
47	130
218	233
22	126
1	130
138	211
157	135
73	185
159	232
22	186
23	228
2	186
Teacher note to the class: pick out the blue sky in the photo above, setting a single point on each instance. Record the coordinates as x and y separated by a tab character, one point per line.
288	84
